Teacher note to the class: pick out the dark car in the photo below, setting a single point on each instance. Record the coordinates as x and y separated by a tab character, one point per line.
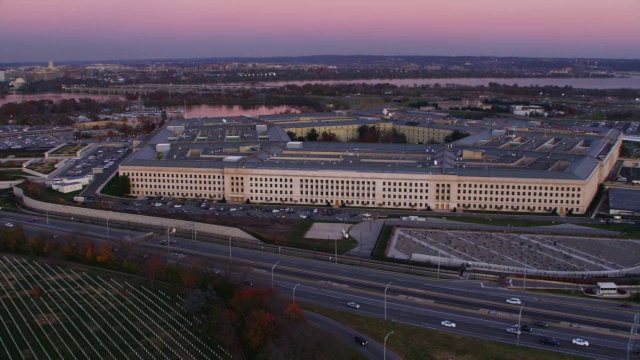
248	282
360	340
549	341
527	328
541	324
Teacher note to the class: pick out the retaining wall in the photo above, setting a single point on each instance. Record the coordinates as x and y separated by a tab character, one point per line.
125	218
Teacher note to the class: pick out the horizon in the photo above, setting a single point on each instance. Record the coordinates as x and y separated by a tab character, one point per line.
129	30
242	58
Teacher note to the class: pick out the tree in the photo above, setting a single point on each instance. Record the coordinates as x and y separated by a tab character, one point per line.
153	266
328	136
104	253
291	135
189	277
294	312
312	135
259	328
455	135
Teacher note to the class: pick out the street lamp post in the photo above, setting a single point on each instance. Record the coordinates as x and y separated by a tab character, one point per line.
294	292
273	268
230	258
385	300
107	226
384	346
519	322
336	249
524	285
168	241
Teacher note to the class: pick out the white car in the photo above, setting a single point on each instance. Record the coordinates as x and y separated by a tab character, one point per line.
580	342
513	301
177	205
447	323
353	304
8	225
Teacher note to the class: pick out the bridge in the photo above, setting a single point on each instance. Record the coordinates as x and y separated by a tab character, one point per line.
144	89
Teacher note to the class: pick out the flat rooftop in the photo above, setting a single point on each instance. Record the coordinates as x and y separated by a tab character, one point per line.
255	142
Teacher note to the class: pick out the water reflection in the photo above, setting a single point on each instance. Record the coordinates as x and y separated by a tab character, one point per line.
198	111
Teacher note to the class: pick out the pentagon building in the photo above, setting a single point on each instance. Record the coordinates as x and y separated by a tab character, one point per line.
511	166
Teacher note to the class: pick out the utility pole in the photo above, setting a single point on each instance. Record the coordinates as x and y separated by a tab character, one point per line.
230	258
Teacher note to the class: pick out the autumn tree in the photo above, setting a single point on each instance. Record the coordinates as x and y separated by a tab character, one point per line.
189	277
260	327
104	253
154	266
294	312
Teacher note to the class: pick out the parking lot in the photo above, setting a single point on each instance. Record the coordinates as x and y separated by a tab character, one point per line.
39	141
157	205
533	251
103	158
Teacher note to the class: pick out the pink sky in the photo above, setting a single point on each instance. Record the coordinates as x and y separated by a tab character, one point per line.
39	30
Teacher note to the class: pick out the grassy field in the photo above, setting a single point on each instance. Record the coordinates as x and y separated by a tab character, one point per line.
412	342
62	313
43	167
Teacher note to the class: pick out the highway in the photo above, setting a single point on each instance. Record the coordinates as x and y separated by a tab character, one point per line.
478	308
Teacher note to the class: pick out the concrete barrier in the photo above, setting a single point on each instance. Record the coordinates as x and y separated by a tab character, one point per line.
125	218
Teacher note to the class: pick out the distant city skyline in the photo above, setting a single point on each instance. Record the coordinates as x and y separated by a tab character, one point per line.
38	31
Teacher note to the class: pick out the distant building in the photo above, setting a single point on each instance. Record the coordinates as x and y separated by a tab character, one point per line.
528	110
18	83
2	76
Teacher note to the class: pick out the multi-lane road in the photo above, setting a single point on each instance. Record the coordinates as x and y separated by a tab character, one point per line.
478	308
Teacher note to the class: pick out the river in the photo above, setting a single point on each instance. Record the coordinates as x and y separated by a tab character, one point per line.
632	82
199	111
194	111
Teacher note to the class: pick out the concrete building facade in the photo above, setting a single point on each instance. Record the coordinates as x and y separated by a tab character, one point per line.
523	170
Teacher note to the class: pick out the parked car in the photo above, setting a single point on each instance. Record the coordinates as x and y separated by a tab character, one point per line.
353	304
513	301
447	323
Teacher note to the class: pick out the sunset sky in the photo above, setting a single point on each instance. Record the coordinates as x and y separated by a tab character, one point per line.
41	30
